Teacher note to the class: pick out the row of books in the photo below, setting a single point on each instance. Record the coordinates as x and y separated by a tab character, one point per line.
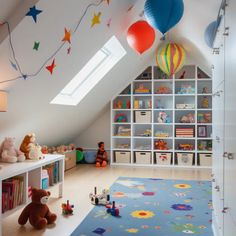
53	173
12	193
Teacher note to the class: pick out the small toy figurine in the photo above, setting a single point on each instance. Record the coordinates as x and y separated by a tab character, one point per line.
100	199
205	103
113	210
182	75
67	208
205	90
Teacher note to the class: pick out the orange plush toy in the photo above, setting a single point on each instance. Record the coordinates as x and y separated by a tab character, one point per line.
37	211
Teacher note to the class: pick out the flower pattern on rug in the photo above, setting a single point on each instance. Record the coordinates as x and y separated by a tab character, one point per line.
142	214
181	207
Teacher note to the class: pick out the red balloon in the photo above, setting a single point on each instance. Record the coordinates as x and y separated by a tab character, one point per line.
140	36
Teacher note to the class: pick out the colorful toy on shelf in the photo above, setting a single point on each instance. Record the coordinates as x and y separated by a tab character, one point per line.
163	117
120	118
100	199
163	90
146	133
205	90
204	117
161	134
113	210
182	75
67	208
186	89
205	103
160	144
125	104
185	146
141	89
123	131
189	118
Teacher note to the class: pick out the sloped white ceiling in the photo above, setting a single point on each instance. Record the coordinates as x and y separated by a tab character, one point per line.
29	109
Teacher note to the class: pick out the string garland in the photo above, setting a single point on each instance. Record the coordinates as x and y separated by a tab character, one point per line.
18	67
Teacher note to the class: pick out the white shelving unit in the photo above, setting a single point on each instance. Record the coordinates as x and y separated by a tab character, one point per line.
31	173
136	130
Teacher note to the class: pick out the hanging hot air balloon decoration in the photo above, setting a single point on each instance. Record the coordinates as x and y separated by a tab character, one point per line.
170	58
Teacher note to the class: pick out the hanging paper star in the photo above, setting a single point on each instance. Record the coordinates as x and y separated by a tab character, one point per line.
109	22
24	77
13	65
51	67
67	36
33	12
96	19
36	46
108	1
68	50
130	8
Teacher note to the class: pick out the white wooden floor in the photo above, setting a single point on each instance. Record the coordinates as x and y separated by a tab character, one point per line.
79	182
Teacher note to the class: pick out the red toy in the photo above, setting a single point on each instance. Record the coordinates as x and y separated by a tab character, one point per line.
67	208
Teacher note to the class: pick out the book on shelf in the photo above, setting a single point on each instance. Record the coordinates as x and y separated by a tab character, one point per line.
12	193
53	172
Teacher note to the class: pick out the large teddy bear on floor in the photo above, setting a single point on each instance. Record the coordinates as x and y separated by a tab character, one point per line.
37	211
8	152
31	150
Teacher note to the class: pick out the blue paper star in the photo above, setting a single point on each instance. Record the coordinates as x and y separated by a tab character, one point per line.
33	12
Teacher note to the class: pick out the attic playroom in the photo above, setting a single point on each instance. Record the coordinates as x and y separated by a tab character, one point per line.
117	117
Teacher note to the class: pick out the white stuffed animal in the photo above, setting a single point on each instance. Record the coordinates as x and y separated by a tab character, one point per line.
8	152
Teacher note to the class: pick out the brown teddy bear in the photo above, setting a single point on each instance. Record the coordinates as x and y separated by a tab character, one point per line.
37	211
31	150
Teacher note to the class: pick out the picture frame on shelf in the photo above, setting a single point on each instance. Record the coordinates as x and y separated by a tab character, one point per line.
202	131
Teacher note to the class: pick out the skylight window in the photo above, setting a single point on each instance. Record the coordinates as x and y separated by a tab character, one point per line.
96	68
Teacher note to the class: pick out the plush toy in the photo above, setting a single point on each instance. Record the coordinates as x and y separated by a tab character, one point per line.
160	144
44	149
162	117
37	212
31	150
8	152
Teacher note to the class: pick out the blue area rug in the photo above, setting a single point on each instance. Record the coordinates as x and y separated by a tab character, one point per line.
153	207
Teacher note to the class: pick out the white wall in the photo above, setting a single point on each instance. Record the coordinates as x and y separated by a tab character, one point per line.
97	131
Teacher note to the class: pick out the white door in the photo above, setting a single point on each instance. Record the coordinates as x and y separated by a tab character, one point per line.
230	121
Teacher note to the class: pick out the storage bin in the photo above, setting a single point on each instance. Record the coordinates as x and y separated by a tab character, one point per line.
143	157
143	117
185	159
163	158
122	157
70	160
205	159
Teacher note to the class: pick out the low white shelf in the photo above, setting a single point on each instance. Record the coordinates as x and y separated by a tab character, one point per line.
31	171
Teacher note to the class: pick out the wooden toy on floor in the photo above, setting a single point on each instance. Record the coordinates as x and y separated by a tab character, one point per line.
67	208
113	210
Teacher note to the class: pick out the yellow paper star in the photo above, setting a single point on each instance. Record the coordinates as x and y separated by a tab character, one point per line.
96	19
67	36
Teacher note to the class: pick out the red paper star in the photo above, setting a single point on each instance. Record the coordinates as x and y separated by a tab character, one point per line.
67	36
51	67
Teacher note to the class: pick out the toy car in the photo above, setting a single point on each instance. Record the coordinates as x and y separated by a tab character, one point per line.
113	210
100	199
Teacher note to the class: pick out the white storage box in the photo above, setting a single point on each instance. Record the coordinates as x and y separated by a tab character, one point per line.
185	159
185	106
143	117
205	159
163	158
143	157
122	157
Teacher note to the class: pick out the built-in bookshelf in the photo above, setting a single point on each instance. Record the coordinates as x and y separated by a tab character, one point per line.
162	121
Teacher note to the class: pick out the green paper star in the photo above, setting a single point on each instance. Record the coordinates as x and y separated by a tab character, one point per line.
36	46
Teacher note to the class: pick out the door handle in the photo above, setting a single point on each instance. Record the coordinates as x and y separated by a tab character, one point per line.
228	155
